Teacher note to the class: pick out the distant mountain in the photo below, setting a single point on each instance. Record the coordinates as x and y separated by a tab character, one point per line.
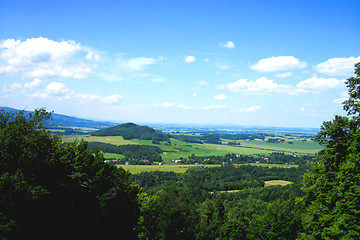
63	121
132	131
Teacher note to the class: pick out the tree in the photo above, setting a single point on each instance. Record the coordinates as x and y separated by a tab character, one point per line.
48	190
332	187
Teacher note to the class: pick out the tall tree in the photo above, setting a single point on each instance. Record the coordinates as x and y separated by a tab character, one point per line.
48	190
332	186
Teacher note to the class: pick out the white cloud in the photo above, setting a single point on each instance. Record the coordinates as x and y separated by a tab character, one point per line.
57	89
260	86
247	110
40	57
138	63
37	82
281	63
253	109
214	107
229	45
338	66
319	83
283	75
343	97
190	59
268	86
112	98
221	96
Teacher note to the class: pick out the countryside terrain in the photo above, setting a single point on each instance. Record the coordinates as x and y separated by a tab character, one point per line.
185	143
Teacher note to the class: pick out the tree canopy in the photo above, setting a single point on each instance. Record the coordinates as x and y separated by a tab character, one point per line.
48	190
333	186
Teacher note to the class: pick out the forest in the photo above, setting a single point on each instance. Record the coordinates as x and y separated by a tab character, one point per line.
54	190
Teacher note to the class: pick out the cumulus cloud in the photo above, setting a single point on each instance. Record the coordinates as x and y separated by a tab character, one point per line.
338	66
229	45
137	63
264	85
319	83
36	83
112	98
252	109
57	89
247	110
221	96
40	57
259	86
281	63
190	59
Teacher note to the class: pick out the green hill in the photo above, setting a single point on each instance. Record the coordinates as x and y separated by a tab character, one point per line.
132	131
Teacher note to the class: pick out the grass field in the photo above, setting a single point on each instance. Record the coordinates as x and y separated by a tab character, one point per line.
181	168
177	148
134	169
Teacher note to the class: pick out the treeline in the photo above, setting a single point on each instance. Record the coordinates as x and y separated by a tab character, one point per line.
132	131
191	206
273	158
132	152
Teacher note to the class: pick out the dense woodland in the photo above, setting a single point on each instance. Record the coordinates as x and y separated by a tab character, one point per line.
132	131
50	190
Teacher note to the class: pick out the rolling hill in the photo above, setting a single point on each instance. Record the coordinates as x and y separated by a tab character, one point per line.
132	131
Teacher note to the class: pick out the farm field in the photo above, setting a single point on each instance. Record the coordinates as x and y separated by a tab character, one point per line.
134	169
177	149
181	168
276	183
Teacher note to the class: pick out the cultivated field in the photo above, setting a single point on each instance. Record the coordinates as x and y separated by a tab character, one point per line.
181	168
177	149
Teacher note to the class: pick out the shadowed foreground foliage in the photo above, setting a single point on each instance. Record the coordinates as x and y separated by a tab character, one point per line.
52	191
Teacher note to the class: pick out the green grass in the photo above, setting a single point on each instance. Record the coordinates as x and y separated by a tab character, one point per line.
177	148
134	169
116	140
113	156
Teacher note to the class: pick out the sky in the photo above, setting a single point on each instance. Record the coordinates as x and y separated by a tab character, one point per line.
247	63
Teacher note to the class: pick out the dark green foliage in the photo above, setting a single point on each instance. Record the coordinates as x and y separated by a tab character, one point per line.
132	131
333	185
52	191
137	152
185	206
169	214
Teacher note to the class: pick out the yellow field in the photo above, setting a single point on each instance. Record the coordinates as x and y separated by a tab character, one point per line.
116	140
276	182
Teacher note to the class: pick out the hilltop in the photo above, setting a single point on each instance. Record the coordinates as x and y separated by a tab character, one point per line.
132	131
64	121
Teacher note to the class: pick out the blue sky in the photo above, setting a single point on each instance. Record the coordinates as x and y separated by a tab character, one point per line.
251	63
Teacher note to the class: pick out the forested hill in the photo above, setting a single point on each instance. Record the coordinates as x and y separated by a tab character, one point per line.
61	121
132	131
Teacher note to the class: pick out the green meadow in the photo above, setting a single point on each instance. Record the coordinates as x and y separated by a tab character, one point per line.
177	149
